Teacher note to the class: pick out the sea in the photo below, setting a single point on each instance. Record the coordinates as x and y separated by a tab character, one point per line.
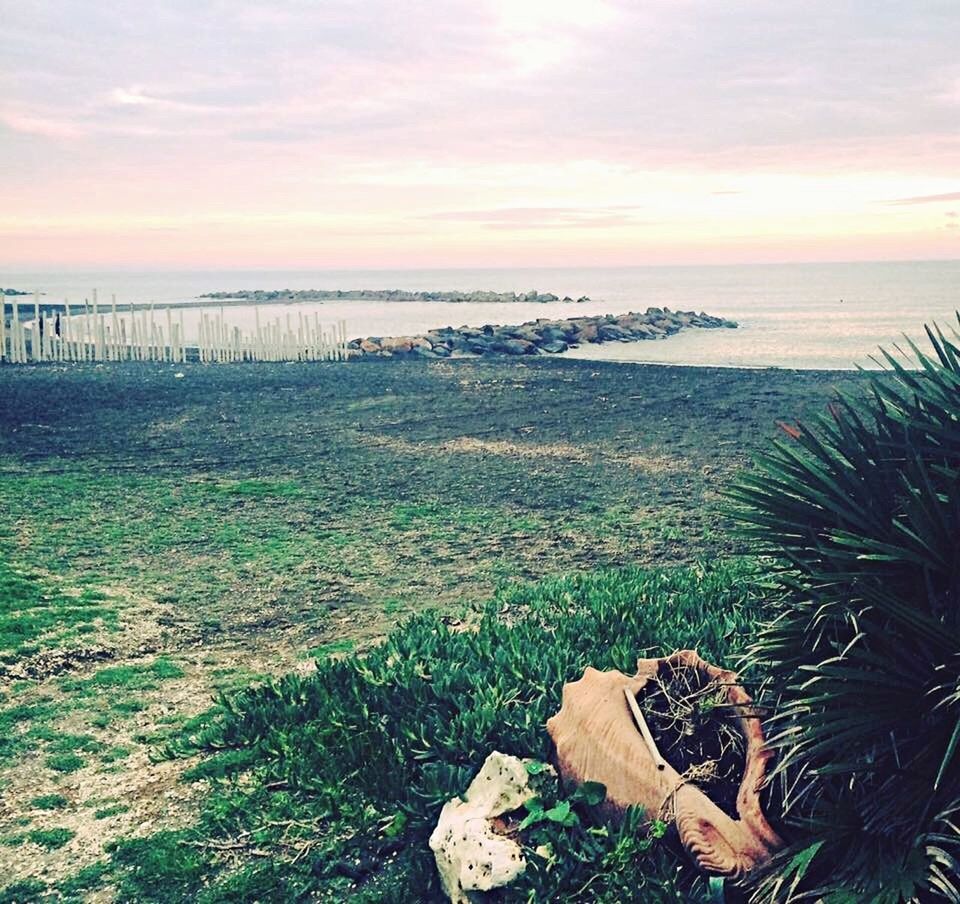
832	316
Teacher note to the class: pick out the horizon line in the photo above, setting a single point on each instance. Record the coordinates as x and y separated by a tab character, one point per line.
125	268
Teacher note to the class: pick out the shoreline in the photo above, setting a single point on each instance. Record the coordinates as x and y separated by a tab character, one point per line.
374	361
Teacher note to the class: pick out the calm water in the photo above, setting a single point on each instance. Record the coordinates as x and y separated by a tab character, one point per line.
790	315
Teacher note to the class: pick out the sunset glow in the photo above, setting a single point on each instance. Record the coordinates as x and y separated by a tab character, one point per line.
495	133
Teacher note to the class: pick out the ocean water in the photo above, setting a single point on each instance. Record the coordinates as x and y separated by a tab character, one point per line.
831	316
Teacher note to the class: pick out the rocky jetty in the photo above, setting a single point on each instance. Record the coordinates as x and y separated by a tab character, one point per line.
291	296
537	337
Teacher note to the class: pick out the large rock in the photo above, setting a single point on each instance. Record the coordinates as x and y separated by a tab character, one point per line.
397	344
557	332
668	326
554	347
587	332
514	347
527	333
610	332
472	857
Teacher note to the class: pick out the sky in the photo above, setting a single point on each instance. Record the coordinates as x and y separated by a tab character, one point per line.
470	133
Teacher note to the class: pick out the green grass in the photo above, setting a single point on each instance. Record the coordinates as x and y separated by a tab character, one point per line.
49	802
257	488
124	677
330	649
113	754
65	762
218	535
69	743
111	810
19	892
36	615
355	761
84	880
51	839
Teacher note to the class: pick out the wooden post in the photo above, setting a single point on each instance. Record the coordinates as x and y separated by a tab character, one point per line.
14	333
3	327
22	341
116	327
224	345
35	344
85	332
181	340
95	328
153	335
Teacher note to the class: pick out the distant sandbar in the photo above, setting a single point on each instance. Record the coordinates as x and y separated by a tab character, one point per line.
288	296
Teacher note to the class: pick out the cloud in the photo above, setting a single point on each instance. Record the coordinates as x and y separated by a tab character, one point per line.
543	217
500	77
926	199
504	114
39	125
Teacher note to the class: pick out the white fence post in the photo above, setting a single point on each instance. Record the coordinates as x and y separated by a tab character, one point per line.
89	335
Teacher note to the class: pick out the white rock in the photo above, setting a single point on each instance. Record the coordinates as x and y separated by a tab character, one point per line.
471	857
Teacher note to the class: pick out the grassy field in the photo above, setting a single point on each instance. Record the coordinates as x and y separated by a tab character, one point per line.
169	534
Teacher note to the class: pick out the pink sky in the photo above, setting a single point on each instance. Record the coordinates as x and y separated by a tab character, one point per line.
481	133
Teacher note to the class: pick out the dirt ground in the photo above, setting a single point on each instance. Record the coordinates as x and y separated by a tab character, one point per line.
241	520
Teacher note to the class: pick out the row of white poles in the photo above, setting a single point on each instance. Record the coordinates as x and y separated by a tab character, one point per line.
95	335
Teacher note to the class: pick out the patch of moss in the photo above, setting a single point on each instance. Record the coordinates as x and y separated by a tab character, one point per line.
51	838
65	762
112	810
35	614
334	648
49	802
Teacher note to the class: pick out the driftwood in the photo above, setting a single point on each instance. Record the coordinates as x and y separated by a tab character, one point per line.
597	739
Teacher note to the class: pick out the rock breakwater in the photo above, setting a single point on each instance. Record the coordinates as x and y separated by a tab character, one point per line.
536	337
293	296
